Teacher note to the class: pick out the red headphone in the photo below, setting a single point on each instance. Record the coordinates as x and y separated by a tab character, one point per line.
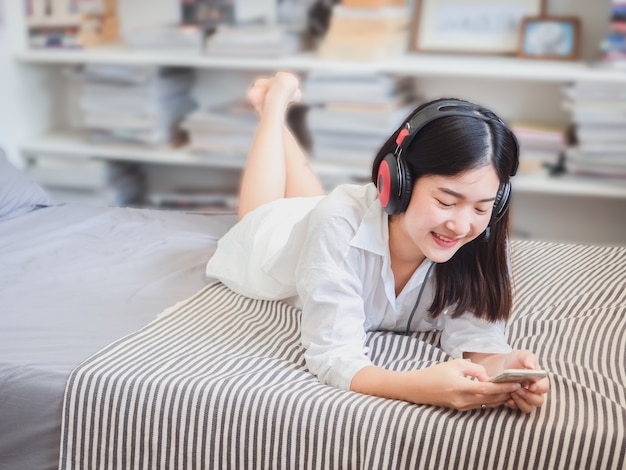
394	181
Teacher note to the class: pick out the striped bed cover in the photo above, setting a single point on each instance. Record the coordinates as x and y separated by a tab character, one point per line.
219	382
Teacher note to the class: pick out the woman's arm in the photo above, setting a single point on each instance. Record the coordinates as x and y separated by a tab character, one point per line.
458	384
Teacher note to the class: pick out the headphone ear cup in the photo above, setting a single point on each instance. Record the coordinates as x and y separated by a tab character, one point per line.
387	182
393	184
501	203
406	189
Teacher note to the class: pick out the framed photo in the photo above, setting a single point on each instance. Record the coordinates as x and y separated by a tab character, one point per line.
471	26
550	37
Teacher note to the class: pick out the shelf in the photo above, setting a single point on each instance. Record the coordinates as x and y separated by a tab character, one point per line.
488	67
76	145
568	185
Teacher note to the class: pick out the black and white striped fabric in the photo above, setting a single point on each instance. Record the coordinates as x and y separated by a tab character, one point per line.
219	382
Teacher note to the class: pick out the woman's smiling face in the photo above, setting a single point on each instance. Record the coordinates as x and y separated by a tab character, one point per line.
446	212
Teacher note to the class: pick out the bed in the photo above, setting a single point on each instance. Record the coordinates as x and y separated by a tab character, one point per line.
116	352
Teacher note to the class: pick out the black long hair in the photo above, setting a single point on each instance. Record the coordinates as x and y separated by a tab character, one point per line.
477	278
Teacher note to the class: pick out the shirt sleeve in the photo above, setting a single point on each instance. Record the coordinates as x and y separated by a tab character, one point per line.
333	314
470	334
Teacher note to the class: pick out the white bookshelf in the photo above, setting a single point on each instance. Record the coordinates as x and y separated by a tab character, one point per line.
35	121
493	68
417	65
77	145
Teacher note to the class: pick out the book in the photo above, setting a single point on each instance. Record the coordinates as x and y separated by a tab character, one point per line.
604	132
227	128
145	105
321	87
358	121
253	41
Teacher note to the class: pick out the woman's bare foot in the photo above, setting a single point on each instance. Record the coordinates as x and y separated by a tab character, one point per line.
283	89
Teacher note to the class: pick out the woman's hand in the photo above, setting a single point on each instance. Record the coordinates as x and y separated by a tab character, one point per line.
532	394
457	384
461	385
529	396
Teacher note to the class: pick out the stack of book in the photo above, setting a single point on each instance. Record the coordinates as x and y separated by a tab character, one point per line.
599	113
95	182
542	145
135	104
166	37
226	129
194	199
352	114
253	41
613	46
356	32
71	23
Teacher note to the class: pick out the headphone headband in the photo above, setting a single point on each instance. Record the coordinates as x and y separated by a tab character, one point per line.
440	109
394	181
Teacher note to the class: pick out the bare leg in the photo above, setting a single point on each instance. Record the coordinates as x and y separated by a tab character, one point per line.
276	166
301	179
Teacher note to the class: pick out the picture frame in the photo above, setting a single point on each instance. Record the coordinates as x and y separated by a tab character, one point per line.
550	38
471	26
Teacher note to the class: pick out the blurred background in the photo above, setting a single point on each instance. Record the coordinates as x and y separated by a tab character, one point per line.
140	102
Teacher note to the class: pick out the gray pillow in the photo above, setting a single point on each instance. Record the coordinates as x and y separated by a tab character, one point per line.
18	193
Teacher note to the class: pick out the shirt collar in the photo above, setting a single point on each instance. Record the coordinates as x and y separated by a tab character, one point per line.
373	231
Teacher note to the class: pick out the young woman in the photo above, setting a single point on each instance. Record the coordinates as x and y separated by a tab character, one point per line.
424	247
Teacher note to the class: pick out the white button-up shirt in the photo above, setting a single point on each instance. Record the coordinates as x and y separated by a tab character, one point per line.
335	261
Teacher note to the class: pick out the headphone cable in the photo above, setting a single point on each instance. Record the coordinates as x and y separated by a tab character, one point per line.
419	297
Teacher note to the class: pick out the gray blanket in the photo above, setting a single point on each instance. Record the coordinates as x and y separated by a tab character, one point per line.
73	279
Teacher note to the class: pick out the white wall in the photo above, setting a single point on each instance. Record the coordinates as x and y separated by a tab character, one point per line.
24	100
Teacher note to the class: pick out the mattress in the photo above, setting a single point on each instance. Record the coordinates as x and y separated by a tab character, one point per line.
219	381
74	279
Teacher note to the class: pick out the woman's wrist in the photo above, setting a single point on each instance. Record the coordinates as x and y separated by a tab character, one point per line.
376	381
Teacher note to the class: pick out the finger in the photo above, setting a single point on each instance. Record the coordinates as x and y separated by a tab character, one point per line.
261	83
470	369
526	359
540	386
528	401
495	401
511	404
488	389
297	96
533	399
522	404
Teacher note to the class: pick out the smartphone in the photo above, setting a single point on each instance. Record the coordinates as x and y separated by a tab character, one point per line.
519	376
